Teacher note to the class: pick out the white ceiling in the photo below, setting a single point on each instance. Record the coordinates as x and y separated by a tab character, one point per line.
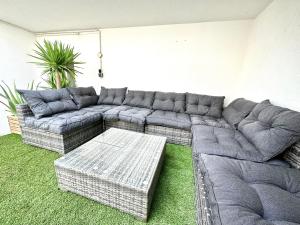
55	15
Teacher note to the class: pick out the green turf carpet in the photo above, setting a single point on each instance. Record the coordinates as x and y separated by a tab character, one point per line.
29	193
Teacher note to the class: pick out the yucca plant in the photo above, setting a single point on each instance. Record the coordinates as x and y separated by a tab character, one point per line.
59	63
11	98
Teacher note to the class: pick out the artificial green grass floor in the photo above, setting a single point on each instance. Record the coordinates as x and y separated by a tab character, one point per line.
29	193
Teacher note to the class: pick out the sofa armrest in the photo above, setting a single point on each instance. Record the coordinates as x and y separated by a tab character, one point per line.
23	111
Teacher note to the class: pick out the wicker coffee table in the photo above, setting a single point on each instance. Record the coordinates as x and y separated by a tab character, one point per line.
118	168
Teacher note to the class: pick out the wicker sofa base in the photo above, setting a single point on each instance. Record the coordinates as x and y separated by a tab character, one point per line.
124	125
60	143
173	135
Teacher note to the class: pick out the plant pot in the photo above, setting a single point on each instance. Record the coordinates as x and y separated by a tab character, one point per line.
14	124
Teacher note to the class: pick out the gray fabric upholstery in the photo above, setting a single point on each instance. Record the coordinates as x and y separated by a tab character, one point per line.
100	108
169	101
272	129
237	110
113	114
204	105
209	121
112	96
249	193
169	119
223	142
48	102
143	99
127	113
84	96
65	122
134	115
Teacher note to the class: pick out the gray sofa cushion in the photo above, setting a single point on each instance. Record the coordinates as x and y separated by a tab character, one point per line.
143	99
84	96
209	121
223	142
134	115
237	110
113	114
100	108
169	101
248	193
66	122
112	96
204	105
272	129
48	102
169	119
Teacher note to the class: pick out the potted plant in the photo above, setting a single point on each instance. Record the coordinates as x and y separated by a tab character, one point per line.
11	98
59	63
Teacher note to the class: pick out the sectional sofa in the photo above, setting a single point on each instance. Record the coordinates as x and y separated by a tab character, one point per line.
243	154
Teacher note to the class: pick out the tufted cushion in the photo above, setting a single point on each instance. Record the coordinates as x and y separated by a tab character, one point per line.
169	101
272	129
249	193
169	119
143	99
134	115
237	110
209	121
113	114
112	96
48	102
204	105
84	96
62	123
223	142
100	108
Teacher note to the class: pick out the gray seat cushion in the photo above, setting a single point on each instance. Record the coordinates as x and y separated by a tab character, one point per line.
134	115
84	96
249	193
169	119
48	102
66	122
272	129
112	96
143	99
237	110
169	101
209	121
127	113
100	108
223	142
204	105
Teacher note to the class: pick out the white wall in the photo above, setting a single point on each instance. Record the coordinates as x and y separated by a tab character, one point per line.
202	58
15	44
272	63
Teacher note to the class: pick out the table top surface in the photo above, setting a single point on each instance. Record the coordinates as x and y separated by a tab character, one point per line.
122	157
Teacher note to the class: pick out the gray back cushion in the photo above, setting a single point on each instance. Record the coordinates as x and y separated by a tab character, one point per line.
271	128
112	96
142	99
48	102
204	105
169	101
84	96
237	110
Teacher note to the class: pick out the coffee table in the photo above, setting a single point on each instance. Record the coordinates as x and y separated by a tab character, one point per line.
118	168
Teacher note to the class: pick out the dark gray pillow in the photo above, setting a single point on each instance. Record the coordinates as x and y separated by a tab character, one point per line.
112	96
272	129
48	102
169	101
84	96
142	99
237	110
204	105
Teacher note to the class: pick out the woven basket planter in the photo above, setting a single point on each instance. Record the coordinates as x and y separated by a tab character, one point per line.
14	124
